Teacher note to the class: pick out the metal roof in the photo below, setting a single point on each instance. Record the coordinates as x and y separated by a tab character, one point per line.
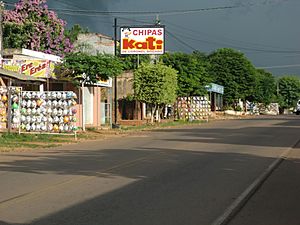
19	76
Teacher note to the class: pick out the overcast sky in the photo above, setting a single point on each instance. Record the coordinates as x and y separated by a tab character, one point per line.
267	31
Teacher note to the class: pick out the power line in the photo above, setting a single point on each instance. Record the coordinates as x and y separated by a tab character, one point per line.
278	67
197	32
180	41
239	47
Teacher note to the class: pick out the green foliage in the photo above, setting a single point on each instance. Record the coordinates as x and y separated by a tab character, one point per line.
155	84
265	87
32	25
96	67
289	91
235	72
192	72
73	33
130	62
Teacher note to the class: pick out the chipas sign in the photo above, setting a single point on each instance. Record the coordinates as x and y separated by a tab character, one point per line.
142	40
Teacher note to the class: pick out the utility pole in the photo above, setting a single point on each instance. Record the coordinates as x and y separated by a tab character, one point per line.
1	29
115	79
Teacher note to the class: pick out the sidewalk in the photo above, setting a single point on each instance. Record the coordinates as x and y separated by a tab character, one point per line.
277	201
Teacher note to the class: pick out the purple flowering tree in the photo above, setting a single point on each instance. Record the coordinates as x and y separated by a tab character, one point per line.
33	26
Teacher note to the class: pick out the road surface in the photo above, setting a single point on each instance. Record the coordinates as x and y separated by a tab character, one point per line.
177	176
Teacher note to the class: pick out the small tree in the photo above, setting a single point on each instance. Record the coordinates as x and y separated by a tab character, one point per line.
235	72
155	84
265	88
192	72
95	67
289	91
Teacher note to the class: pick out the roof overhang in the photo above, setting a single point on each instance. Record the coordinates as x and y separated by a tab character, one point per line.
19	76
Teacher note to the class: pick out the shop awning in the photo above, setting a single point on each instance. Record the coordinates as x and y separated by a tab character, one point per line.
19	76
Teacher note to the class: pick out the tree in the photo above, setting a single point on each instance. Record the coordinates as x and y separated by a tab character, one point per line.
192	72
235	72
265	87
32	25
155	84
96	67
289	91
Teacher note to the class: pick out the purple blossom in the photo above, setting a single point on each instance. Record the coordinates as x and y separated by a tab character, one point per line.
47	35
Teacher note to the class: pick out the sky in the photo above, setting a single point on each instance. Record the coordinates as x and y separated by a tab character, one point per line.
267	31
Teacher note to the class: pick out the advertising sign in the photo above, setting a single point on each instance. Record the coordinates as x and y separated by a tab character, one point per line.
142	40
35	68
215	88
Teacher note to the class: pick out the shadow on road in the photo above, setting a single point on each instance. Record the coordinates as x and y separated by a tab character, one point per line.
173	186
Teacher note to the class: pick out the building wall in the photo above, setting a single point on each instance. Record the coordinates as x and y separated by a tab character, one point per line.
93	43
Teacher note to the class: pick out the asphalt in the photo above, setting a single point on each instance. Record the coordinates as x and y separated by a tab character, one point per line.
177	176
277	200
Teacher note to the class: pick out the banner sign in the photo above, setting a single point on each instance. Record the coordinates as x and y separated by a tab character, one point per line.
215	88
142	40
35	68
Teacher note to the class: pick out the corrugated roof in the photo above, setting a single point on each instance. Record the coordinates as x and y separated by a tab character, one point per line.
19	76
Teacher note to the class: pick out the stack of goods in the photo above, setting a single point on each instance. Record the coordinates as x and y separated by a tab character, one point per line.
48	111
15	106
3	107
193	108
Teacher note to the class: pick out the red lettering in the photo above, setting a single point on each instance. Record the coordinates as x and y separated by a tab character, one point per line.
128	44
151	41
141	45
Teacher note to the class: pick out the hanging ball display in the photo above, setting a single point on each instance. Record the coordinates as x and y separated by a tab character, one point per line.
53	95
49	110
28	104
28	127
39	102
66	128
65	112
49	103
44	119
23	103
15	98
23	111
56	119
33	127
33	104
23	119
15	106
58	95
38	119
33	94
66	119
54	103
55	127
15	120
54	112
59	103
33	111
64	95
38	127
50	127
60	112
50	119
43	96
61	128
43	127
23	126
4	98
38	111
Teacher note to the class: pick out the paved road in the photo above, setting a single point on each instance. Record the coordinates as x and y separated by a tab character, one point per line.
165	177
